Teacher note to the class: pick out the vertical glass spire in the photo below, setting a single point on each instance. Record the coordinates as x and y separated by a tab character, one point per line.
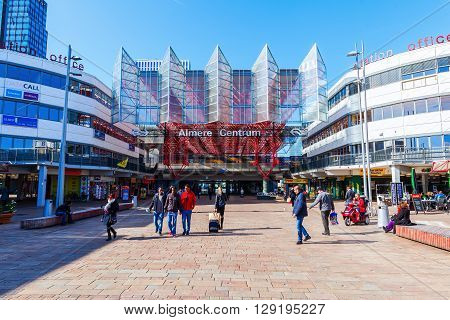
218	87
125	88
313	86
266	87
172	85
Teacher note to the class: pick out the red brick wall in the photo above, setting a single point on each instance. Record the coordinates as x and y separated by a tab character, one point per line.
431	235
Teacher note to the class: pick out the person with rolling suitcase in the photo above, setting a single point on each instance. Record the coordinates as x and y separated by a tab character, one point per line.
221	201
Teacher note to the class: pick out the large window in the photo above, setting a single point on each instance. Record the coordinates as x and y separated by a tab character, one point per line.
421	106
408	108
436	141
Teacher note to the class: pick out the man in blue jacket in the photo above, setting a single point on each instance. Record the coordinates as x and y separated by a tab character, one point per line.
300	212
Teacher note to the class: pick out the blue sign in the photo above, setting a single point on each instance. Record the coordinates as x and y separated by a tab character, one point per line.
19	121
99	135
11	93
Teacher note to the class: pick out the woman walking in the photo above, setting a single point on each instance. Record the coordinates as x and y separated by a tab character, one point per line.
221	201
110	216
172	207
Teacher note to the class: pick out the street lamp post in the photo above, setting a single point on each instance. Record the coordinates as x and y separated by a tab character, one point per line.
356	54
369	180
62	148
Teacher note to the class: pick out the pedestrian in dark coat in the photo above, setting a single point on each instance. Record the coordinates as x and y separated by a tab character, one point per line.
300	211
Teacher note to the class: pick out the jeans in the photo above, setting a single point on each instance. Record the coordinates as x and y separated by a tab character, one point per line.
301	229
110	229
221	212
186	220
172	222
325	221
158	218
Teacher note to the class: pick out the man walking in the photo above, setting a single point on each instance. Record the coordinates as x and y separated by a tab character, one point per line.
158	203
300	212
326	204
349	195
187	205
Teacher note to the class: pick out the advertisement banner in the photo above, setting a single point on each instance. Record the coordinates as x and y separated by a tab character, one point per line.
17	89
125	193
19	121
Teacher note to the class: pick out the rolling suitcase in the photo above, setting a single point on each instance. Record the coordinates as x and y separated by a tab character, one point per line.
214	222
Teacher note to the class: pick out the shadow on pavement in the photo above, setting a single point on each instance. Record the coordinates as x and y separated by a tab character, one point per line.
340	242
26	255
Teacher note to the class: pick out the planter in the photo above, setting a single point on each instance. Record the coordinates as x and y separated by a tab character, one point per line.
5	217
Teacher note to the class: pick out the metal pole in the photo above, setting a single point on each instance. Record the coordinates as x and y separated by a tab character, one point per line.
369	180
62	149
361	122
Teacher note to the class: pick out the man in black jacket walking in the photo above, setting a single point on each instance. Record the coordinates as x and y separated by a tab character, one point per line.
157	205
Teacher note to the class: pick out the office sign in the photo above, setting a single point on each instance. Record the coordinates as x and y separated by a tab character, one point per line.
19	121
17	89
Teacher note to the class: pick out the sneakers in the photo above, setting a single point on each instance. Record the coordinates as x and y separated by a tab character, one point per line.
385	229
108	239
184	233
325	234
299	242
115	235
160	233
308	237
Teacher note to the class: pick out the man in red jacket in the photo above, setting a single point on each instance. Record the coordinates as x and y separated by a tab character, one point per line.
187	205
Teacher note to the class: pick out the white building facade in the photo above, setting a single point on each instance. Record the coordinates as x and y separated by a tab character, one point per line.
408	100
100	156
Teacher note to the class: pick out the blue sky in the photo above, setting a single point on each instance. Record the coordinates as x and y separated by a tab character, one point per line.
97	29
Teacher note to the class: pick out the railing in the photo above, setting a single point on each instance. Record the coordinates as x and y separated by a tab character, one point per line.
396	155
35	156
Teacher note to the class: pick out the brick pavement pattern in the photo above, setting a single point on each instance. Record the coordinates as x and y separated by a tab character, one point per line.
254	257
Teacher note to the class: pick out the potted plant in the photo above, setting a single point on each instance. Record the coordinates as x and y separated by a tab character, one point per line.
7	211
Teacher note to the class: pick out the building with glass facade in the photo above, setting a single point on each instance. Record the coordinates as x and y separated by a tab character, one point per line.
151	92
23	26
408	100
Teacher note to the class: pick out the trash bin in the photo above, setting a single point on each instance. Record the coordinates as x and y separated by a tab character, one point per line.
134	201
48	208
383	213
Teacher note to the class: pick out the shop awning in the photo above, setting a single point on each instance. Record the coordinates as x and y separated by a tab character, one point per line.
442	166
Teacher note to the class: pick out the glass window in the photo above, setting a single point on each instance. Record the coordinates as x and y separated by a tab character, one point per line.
9	107
421	106
397	110
18	143
417	74
21	109
53	114
411	143
32	111
43	113
2	70
6	143
433	104
377	114
379	145
28	143
423	143
436	141
445	103
430	72
447	140
408	108
387	112
406	76
34	76
443	69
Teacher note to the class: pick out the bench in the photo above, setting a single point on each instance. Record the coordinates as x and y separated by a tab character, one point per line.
435	236
50	221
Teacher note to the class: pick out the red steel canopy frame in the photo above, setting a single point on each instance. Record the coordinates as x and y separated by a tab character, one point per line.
221	139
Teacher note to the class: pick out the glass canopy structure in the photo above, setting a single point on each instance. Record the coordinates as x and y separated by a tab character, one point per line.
218	93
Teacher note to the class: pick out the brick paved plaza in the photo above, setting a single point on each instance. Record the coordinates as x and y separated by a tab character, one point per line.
255	257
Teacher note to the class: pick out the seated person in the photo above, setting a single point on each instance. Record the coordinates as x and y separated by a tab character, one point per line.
438	195
64	210
401	218
360	204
